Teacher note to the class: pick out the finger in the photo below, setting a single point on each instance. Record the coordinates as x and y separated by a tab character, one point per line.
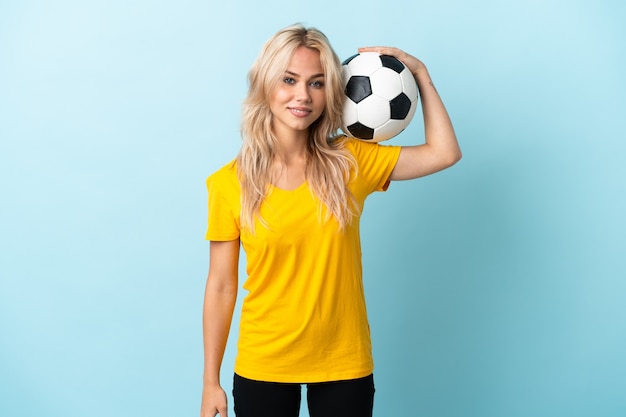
378	49
383	50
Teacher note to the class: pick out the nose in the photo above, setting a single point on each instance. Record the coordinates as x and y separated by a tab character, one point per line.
302	92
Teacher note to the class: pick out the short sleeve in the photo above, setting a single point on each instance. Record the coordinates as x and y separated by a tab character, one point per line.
375	163
224	205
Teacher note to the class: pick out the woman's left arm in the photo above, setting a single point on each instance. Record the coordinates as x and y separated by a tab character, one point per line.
441	149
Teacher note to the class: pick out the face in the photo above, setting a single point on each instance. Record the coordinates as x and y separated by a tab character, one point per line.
300	97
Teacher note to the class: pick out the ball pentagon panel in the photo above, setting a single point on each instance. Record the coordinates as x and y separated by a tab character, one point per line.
358	88
361	131
400	107
392	63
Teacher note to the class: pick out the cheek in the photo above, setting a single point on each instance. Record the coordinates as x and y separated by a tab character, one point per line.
280	94
277	100
320	98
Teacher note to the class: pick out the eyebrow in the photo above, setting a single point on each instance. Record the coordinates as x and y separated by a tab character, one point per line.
321	74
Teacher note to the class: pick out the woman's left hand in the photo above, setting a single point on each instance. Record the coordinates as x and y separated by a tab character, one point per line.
412	63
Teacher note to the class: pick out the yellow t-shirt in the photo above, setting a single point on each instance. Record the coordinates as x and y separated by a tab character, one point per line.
303	318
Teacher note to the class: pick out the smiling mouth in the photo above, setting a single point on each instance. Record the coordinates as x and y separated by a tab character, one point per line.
298	111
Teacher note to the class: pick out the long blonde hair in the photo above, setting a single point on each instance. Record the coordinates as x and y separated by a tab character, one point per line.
328	162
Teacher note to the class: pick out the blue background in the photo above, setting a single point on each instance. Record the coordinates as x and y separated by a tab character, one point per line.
495	288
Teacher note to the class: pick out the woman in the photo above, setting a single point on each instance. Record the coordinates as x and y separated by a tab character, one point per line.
292	199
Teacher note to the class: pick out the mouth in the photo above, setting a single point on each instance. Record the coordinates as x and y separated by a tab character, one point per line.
300	111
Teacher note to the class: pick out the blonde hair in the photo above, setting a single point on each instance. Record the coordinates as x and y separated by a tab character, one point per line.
328	162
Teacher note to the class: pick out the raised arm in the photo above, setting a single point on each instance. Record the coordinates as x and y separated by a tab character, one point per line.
441	149
219	302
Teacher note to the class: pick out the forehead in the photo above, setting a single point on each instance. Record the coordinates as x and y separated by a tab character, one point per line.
304	61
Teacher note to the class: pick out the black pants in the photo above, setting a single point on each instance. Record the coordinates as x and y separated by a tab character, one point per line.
351	398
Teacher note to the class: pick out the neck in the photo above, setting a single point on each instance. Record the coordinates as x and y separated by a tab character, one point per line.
292	147
289	165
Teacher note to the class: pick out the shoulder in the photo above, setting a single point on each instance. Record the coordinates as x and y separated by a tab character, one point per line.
362	150
355	146
225	176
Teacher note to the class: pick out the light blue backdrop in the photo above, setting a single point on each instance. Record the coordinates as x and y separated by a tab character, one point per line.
496	288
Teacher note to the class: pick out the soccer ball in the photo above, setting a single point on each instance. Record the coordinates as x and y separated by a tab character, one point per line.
381	96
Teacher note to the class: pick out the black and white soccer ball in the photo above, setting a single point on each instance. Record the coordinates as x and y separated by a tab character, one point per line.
381	96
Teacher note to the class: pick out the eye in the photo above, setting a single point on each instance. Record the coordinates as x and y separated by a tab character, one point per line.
289	80
317	84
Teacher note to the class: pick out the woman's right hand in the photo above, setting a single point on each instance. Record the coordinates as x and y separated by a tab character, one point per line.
214	402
